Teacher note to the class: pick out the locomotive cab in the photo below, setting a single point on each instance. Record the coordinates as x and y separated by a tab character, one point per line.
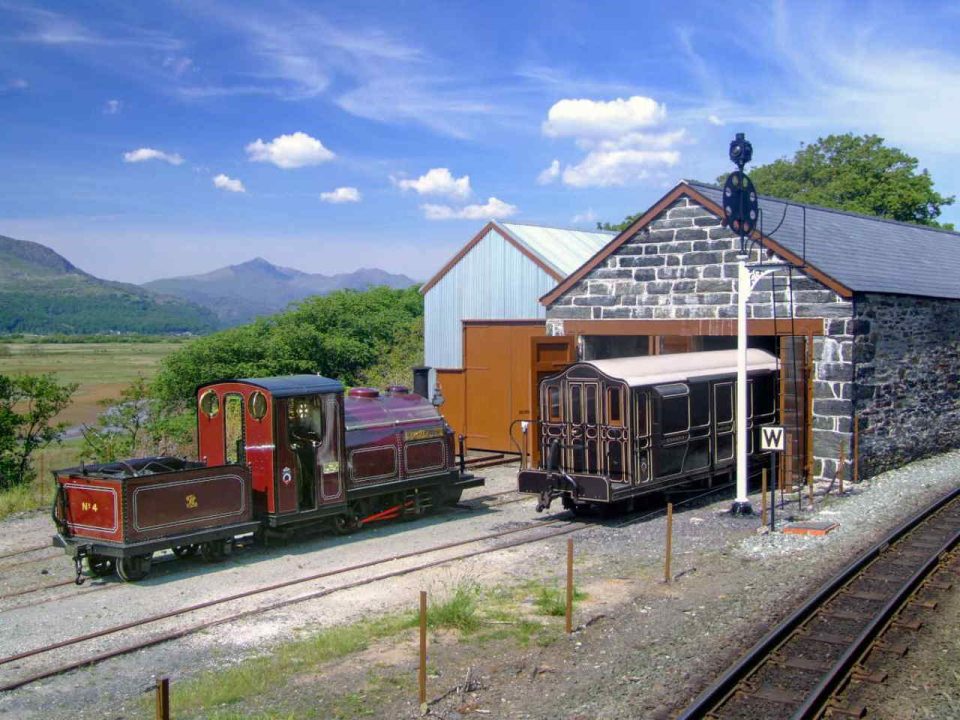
614	429
288	430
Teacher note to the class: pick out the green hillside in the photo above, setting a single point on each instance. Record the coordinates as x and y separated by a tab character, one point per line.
42	292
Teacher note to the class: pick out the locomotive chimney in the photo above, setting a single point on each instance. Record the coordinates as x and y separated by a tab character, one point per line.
421	381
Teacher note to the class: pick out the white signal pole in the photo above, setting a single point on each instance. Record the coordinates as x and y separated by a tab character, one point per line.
747	277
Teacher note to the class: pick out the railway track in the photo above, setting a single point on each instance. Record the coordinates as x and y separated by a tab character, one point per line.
567	527
805	666
561	527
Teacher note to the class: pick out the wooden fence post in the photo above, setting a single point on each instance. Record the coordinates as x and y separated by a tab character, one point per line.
856	449
840	469
163	699
422	674
666	562
763	497
569	617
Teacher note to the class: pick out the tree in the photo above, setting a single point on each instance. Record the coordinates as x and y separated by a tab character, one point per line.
136	424
28	404
855	173
341	335
618	227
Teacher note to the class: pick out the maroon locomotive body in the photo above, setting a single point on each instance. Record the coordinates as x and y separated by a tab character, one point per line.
275	453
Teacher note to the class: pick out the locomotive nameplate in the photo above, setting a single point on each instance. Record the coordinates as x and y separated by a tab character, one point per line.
425	434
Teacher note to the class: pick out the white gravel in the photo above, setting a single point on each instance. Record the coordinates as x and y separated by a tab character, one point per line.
703	535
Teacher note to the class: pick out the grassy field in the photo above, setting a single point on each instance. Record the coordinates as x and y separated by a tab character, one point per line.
101	369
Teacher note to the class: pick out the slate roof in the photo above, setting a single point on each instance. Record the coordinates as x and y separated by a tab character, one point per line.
866	254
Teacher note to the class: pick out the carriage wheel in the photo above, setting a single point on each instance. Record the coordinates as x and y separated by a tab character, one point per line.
214	550
134	568
185	551
100	565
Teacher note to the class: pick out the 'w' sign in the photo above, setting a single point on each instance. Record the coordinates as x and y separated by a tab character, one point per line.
772	438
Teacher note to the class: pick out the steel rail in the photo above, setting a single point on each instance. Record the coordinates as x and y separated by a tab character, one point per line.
24	551
722	688
174	635
257	591
572	527
815	701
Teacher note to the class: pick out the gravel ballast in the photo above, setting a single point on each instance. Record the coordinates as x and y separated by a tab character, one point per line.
644	649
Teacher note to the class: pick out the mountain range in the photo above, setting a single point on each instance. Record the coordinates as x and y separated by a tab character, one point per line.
239	293
42	292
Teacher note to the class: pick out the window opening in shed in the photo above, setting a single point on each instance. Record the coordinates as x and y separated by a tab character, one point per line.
235	431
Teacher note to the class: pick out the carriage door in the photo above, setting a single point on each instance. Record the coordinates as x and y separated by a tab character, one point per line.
583	411
614	435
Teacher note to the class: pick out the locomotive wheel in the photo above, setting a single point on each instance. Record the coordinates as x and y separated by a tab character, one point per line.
100	565
345	524
214	551
131	569
185	551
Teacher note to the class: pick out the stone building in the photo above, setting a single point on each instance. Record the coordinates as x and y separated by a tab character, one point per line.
866	321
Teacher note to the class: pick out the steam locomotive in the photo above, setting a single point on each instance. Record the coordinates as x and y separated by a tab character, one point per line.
612	430
276	454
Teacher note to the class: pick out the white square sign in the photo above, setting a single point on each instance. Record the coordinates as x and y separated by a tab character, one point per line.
772	438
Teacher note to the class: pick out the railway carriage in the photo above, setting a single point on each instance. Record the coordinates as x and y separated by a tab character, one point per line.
275	454
612	430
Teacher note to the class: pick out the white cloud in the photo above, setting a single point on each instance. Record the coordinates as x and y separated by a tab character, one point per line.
437	181
341	195
587	217
289	151
492	209
602	168
112	107
549	174
145	154
229	184
635	140
596	118
178	65
714	120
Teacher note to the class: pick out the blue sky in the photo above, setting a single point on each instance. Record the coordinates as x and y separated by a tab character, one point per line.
144	140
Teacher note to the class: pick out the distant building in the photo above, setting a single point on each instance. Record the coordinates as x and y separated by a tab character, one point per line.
481	311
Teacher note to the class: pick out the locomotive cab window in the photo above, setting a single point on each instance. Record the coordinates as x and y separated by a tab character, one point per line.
234	430
210	403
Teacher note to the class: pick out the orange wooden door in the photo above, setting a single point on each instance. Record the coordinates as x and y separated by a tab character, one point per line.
497	381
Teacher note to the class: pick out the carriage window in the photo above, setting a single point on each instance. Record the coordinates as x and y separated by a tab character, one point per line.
640	400
234	436
614	410
675	414
699	404
576	411
591	404
553	403
762	394
724	402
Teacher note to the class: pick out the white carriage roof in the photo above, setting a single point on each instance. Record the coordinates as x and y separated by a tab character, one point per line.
681	367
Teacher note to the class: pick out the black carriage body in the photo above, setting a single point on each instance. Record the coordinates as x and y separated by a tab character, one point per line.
614	429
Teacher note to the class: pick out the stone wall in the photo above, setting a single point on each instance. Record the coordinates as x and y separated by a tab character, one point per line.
907	372
683	265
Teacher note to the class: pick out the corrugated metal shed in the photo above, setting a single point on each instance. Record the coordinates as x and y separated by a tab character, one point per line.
499	275
866	254
563	250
